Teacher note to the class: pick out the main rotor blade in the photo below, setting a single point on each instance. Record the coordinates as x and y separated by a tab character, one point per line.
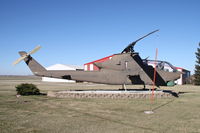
146	35
129	48
34	50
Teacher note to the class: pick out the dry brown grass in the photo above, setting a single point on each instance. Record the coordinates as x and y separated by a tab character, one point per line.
45	114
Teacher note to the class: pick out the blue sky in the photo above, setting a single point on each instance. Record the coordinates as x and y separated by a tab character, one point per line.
80	31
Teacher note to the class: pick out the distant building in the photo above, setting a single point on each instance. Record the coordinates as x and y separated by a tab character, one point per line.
185	73
61	67
91	67
184	76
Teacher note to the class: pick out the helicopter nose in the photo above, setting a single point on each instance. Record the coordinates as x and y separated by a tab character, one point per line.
177	75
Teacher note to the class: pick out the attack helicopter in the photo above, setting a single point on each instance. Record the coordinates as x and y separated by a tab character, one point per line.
125	68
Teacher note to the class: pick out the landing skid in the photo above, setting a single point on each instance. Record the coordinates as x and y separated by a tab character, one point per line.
124	87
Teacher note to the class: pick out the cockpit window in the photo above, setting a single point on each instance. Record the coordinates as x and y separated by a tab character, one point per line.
162	65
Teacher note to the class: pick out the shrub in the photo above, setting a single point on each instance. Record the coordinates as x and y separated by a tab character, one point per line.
27	89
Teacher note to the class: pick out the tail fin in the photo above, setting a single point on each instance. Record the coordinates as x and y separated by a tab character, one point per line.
35	67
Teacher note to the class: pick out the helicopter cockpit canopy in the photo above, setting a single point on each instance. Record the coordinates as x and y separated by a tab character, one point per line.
162	65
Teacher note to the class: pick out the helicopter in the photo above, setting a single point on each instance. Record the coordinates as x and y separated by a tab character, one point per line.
125	68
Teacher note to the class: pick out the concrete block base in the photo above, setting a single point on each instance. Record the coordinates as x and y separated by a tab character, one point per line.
112	94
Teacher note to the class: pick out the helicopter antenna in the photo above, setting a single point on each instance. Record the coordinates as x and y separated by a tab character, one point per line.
130	47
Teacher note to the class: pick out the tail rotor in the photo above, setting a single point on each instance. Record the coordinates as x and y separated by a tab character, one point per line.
26	55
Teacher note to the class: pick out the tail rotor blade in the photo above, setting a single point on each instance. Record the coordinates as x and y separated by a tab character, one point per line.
20	59
34	50
26	55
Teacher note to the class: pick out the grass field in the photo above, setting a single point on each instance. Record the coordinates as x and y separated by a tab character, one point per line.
54	115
